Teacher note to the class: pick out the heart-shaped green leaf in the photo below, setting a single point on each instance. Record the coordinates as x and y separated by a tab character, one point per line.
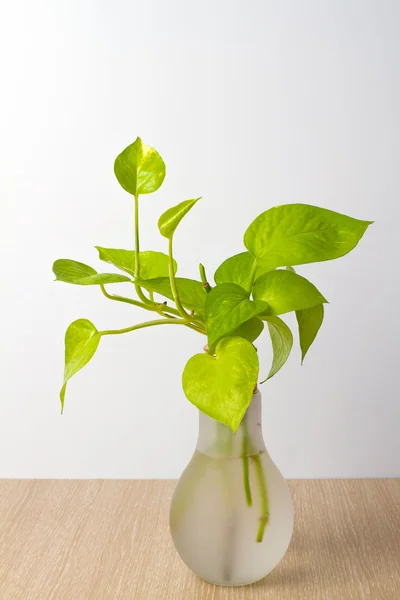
285	291
295	234
152	264
81	341
222	385
170	220
191	293
139	168
249	330
227	307
71	271
309	321
237	269
282	342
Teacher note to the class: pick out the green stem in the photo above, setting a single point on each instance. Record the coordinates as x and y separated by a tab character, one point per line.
162	309
138	289
246	480
137	248
264	497
245	461
171	321
195	328
155	307
172	280
141	295
203	277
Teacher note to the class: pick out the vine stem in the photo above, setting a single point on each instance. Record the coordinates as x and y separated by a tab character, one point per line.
148	303
155	307
195	328
203	277
136	225
264	497
160	308
138	289
170	321
172	280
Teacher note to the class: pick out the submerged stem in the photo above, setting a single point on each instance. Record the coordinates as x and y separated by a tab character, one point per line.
264	497
245	461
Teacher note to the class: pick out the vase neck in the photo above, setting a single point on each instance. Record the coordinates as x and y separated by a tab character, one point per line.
217	440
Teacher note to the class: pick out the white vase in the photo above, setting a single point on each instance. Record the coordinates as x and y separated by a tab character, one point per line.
231	514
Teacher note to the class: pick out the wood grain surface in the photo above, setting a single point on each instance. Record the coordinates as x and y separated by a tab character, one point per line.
109	540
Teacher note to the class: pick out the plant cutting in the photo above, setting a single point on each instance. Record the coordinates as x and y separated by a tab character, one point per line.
231	515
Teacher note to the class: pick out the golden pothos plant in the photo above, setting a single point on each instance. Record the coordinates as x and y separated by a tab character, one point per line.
252	289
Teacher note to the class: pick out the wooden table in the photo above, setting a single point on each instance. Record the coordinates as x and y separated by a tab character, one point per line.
109	540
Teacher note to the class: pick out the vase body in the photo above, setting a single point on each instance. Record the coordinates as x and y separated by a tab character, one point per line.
231	514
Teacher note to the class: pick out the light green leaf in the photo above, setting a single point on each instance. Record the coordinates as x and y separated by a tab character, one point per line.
139	168
191	293
296	234
71	271
285	291
227	307
309	321
282	342
249	330
170	220
152	264
81	341
237	269
222	385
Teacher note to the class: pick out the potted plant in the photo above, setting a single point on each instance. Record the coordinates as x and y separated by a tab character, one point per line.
231	515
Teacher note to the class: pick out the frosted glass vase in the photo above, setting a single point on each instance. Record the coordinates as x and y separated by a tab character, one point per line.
231	515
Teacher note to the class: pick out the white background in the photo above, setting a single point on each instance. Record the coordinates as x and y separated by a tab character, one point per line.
251	104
